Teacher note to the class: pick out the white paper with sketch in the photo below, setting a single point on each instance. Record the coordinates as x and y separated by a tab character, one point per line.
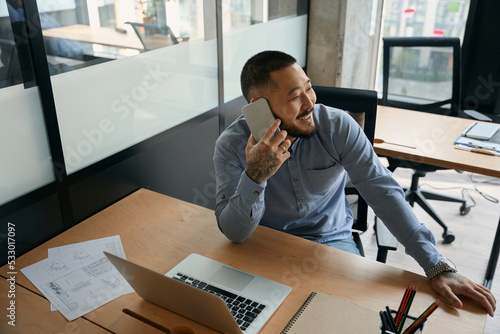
78	278
79	251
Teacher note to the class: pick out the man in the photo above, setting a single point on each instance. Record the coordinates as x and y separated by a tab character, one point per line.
294	181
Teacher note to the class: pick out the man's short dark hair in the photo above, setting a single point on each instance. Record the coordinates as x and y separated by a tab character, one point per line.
257	70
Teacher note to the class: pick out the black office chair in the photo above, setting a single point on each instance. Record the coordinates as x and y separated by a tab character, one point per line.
153	36
362	106
416	71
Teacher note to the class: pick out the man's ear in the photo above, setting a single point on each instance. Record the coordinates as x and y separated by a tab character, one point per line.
253	99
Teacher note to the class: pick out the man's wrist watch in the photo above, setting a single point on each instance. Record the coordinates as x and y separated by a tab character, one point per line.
445	265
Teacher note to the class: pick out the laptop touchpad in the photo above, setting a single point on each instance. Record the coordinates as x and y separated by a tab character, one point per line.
231	278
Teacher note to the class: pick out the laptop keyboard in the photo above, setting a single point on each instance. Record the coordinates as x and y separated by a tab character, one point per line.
244	310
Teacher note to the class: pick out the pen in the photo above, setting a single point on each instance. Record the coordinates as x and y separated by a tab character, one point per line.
403	305
385	324
492	148
422	318
390	319
406	309
399	313
476	150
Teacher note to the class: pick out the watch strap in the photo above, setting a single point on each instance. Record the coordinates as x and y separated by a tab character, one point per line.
444	265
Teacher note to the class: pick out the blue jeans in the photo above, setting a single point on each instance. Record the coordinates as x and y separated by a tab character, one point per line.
347	245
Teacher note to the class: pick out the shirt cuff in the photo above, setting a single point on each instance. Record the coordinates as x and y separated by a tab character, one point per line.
250	190
422	248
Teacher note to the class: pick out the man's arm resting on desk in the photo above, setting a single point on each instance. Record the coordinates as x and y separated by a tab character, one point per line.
448	284
239	202
239	212
240	184
420	245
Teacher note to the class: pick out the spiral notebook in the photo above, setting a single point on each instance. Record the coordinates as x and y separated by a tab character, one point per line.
324	313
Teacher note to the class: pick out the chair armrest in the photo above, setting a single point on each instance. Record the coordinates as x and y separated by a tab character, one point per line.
469	113
385	240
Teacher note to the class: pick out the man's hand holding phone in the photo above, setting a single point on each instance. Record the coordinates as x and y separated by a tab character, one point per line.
266	156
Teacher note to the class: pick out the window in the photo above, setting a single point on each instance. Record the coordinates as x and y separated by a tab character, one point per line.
421	18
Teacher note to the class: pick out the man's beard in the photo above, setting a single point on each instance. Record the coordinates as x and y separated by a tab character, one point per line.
296	132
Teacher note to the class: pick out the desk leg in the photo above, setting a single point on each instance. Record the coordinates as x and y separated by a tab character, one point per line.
492	262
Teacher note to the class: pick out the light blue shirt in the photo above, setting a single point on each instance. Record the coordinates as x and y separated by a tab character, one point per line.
306	195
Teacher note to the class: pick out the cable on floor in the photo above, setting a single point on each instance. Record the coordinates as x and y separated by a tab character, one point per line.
467	192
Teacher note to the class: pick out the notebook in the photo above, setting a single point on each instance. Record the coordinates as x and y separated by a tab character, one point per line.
482	131
324	313
209	292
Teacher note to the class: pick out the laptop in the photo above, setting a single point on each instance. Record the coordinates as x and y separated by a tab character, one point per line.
209	292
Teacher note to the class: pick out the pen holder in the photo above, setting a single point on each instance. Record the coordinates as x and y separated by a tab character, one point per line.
409	320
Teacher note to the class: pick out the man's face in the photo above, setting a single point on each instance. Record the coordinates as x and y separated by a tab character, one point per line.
293	101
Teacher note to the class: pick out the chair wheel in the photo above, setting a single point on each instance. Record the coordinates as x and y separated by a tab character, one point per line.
464	209
448	237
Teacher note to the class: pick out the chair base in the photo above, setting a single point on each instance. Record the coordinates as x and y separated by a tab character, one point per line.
415	195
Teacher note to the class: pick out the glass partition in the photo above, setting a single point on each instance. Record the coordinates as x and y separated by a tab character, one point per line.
154	66
83	33
10	69
260	25
108	107
25	157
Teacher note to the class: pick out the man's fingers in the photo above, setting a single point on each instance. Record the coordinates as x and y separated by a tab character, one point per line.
272	130
480	294
484	297
451	297
488	293
442	285
251	141
279	138
285	145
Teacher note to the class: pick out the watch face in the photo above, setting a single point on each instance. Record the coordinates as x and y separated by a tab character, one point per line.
450	264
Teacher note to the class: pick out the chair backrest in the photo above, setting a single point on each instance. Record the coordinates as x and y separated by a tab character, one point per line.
153	36
422	73
362	106
359	103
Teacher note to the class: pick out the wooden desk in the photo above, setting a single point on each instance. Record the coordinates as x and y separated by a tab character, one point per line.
432	137
158	232
31	314
102	36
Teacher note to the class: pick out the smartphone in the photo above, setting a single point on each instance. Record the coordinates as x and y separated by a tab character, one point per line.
259	117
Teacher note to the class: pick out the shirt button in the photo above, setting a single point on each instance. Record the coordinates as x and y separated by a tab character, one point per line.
300	200
368	164
295	179
223	196
256	193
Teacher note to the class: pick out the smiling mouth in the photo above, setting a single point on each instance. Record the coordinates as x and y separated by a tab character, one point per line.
305	117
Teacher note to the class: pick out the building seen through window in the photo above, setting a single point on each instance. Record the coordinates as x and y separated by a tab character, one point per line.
421	72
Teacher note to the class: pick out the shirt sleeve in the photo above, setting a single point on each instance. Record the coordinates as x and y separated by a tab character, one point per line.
382	192
239	200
